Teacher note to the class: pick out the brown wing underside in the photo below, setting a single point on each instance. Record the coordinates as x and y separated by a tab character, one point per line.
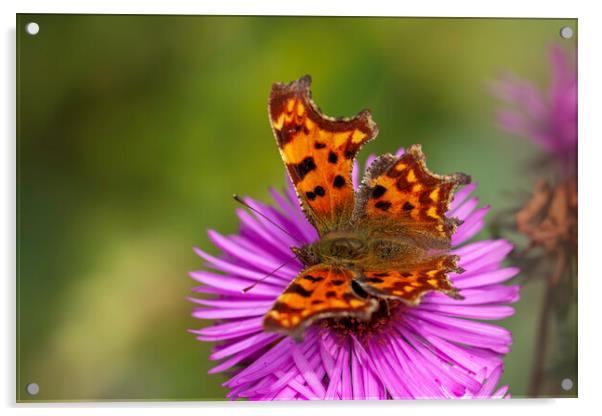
318	292
318	152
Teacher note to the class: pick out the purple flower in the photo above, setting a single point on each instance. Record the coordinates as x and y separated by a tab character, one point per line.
547	118
437	349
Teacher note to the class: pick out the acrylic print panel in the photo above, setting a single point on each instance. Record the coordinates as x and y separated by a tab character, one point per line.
445	270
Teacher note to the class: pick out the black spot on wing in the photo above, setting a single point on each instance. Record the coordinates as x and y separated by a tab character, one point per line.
338	282
338	182
284	308
332	157
304	167
408	206
319	145
378	191
331	294
310	195
383	205
299	290
312	278
319	191
281	138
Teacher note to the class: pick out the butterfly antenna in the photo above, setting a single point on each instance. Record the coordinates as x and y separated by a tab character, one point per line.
240	201
246	289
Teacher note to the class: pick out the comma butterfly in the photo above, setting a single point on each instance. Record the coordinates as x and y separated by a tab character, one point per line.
390	239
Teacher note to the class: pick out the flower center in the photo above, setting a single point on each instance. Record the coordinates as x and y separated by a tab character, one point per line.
361	329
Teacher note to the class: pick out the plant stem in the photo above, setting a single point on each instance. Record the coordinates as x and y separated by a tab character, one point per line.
537	375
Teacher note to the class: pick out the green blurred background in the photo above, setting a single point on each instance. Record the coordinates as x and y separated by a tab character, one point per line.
135	131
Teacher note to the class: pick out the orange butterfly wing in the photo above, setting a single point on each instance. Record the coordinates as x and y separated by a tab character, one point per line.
411	285
401	199
318	292
402	194
318	152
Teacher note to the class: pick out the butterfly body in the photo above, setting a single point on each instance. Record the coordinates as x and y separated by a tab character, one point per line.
360	250
337	248
389	239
